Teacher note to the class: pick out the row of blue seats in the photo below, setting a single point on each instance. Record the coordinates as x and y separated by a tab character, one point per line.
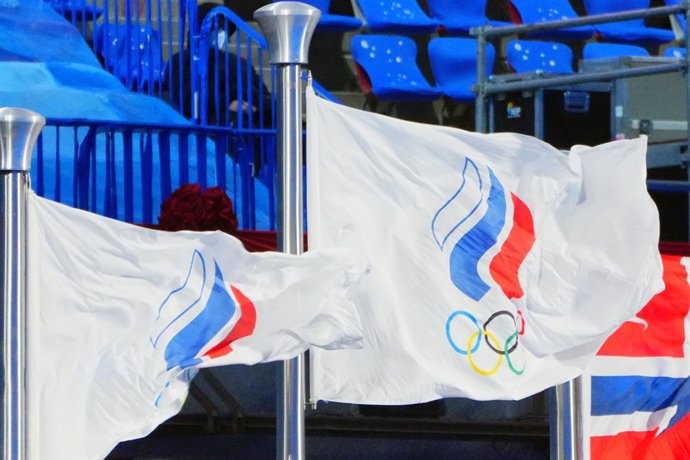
453	17
553	57
389	63
628	31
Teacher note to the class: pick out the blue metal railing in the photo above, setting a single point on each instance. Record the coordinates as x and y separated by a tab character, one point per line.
125	171
136	39
213	72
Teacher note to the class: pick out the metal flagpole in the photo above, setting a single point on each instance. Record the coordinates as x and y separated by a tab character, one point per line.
19	129
575	419
569	434
288	28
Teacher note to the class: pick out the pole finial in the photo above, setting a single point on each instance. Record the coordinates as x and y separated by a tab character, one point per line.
19	129
288	28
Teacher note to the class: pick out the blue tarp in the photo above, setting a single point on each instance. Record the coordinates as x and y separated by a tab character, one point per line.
46	66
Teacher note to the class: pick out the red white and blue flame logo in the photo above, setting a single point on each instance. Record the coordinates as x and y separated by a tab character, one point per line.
200	319
472	220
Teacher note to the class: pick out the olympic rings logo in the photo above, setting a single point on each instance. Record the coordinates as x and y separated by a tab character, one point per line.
504	349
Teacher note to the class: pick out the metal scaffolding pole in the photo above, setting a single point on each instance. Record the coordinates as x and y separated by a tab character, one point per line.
568	432
288	28
19	130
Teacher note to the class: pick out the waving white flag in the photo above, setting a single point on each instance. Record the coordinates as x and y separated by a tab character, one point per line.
498	264
121	318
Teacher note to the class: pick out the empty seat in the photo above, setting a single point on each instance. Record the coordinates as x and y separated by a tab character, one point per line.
536	11
457	18
404	17
612	50
531	55
132	53
389	63
454	65
629	31
675	52
332	22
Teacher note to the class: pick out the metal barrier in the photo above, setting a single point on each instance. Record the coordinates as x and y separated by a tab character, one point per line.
125	171
214	72
135	39
486	87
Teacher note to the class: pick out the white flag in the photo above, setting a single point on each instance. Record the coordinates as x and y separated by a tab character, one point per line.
498	263
121	318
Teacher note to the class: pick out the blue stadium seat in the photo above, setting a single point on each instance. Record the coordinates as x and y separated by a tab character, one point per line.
531	55
535	11
390	65
332	22
454	65
404	17
630	31
612	50
133	54
146	61
457	18
675	52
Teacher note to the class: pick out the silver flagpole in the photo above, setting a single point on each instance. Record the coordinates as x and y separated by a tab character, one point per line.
575	419
288	28
19	129
569	435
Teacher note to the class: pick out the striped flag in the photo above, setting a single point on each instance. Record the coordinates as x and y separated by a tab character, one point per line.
640	379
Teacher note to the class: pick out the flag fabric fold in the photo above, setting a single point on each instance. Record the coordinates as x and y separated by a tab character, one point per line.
122	317
498	263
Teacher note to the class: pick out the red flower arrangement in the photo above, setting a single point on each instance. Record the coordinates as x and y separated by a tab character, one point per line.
188	208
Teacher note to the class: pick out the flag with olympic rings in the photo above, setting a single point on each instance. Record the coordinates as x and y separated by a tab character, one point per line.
498	264
465	256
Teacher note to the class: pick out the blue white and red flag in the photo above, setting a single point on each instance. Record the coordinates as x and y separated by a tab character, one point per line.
122	317
640	379
499	264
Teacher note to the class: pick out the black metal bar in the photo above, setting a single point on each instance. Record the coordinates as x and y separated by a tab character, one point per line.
528	430
480	103
228	400
669	186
